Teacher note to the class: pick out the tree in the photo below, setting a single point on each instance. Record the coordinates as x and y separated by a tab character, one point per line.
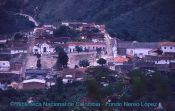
93	89
38	56
62	59
18	36
99	73
84	63
86	50
78	49
59	49
76	66
101	61
139	86
161	87
38	65
59	86
65	31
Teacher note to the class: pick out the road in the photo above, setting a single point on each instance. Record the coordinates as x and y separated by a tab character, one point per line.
30	59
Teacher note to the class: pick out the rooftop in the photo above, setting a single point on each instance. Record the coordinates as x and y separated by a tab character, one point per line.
126	45
83	43
167	43
120	59
35	80
36	71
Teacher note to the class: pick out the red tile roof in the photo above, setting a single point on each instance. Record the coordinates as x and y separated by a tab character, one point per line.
83	43
167	43
120	59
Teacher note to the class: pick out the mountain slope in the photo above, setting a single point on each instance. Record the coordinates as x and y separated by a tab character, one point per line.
142	20
11	22
153	22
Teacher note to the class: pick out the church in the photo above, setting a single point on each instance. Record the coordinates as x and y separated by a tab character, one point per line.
43	48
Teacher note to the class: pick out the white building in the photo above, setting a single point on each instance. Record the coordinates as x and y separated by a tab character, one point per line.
90	46
4	66
138	49
167	47
32	84
43	48
17	51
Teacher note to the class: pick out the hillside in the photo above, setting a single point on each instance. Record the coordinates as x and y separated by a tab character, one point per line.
142	20
11	22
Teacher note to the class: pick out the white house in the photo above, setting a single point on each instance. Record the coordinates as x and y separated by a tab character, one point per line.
4	66
90	46
43	48
167	47
138	49
31	84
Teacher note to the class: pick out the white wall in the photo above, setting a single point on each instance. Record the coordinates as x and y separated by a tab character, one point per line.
18	51
162	62
168	48
4	65
90	47
140	52
40	49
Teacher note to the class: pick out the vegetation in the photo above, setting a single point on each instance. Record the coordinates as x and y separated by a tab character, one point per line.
11	22
144	20
59	49
133	20
18	36
101	61
139	87
62	59
38	65
84	63
64	31
78	49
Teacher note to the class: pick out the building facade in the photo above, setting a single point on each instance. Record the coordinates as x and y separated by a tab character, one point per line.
4	66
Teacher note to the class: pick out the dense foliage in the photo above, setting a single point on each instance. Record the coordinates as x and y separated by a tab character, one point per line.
101	61
64	31
11	22
142	20
139	86
84	63
62	59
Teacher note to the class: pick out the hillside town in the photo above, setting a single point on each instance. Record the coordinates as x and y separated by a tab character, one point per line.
29	62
